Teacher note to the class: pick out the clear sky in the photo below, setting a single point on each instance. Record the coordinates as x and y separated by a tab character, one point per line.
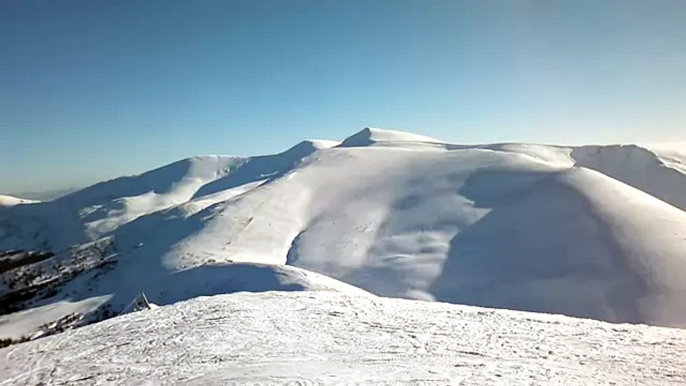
93	89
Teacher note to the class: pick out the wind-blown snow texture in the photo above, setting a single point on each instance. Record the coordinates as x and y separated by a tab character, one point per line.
331	338
596	232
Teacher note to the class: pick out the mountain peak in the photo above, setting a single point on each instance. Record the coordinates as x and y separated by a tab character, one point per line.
310	145
370	136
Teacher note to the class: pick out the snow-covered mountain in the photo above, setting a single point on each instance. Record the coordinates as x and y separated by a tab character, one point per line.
338	339
658	171
597	232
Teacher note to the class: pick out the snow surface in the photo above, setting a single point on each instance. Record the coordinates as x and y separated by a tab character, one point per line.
332	338
370	136
517	226
206	280
99	210
659	171
6	200
29	322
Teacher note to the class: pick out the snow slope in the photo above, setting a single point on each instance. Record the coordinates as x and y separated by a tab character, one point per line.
512	226
98	210
163	289
659	171
331	338
379	137
6	200
33	322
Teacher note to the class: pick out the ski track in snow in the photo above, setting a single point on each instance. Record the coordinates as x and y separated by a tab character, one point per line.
332	338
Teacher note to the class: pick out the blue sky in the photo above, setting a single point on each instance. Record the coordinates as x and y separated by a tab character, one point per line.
90	90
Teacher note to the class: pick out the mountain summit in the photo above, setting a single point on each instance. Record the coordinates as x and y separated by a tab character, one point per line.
370	136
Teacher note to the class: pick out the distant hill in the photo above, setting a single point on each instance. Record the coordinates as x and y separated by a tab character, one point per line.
47	195
6	200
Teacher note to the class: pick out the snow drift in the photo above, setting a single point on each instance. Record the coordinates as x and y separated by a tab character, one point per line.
577	231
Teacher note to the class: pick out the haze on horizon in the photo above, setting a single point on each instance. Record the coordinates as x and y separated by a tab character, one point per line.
93	90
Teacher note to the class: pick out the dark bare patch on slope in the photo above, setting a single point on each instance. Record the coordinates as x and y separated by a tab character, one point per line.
24	285
17	258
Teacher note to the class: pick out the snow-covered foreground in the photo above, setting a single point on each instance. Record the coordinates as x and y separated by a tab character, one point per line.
596	232
202	281
332	338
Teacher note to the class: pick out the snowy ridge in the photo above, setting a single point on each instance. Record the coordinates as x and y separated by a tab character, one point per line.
41	316
331	338
6	200
371	136
98	210
660	172
517	226
639	167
